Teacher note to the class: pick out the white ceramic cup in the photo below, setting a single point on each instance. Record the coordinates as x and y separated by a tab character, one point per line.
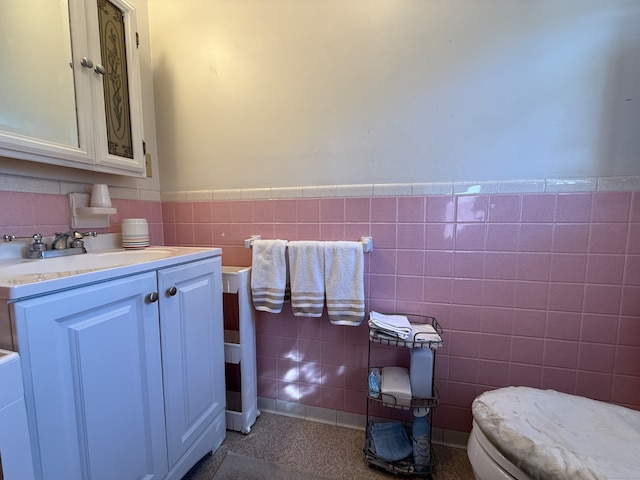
100	196
135	233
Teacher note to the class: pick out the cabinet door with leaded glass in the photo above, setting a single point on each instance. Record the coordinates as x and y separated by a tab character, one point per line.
118	117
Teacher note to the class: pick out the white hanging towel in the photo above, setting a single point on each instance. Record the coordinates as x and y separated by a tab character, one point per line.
306	273
268	274
344	282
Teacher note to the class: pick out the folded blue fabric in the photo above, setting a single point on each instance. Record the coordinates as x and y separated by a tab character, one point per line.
391	441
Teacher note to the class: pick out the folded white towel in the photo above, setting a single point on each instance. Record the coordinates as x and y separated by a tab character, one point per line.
344	282
424	332
306	272
397	383
397	325
268	274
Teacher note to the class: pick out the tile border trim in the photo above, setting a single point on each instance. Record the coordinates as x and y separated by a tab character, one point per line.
24	184
549	185
15	183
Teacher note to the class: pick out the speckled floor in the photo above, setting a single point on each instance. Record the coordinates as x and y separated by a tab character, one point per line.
332	451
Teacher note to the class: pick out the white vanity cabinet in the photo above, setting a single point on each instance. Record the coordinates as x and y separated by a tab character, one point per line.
93	381
125	378
192	332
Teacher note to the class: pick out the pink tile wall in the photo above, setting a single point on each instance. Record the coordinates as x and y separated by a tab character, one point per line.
540	290
23	214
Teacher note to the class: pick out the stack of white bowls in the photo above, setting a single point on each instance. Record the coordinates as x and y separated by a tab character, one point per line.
135	233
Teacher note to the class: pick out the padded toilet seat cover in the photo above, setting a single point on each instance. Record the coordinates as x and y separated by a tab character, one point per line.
553	435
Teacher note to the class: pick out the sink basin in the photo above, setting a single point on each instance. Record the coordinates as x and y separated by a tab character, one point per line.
22	278
85	262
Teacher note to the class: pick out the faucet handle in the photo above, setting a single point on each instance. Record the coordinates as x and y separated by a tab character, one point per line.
77	238
76	235
37	245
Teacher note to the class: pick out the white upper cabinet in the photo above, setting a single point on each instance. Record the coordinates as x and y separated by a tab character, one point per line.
70	92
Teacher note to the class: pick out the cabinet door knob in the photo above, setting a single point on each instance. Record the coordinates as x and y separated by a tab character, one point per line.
85	62
172	291
152	297
100	69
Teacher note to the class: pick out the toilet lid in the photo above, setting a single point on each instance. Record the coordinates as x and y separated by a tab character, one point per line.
495	455
548	434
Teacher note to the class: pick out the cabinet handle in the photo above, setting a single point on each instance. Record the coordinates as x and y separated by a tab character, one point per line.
85	62
172	291
152	297
100	69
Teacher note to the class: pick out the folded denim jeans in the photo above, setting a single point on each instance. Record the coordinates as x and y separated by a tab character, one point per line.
390	441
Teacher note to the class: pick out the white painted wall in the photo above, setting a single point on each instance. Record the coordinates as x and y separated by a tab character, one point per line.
254	93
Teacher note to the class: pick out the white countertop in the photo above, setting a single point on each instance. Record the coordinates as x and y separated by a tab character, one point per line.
16	286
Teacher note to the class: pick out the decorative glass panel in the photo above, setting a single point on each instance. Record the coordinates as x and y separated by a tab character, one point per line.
116	88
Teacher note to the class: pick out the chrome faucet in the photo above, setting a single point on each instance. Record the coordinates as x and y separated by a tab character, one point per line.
60	241
60	246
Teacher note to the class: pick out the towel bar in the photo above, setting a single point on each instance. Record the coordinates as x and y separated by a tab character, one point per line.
367	242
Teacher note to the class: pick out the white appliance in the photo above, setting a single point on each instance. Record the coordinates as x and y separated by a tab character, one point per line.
487	462
15	449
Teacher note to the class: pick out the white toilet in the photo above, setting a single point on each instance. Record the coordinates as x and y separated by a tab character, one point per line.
487	462
523	433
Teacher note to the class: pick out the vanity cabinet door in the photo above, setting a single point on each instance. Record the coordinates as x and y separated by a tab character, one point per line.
192	359
115	85
93	381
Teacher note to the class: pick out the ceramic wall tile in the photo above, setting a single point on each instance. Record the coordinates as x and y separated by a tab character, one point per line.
537	286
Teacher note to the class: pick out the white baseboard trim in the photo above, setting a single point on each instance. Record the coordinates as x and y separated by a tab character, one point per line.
450	438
